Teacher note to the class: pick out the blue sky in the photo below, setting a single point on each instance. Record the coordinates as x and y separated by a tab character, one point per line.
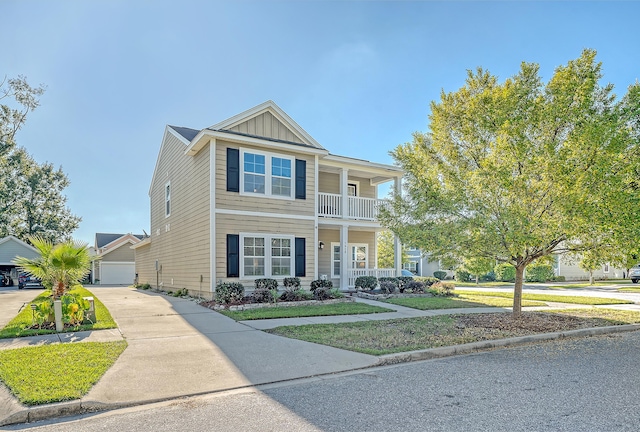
358	76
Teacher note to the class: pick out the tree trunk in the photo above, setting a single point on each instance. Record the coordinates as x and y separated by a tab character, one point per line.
590	277
477	279
517	290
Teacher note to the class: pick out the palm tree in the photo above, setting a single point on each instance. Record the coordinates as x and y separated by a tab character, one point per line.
59	266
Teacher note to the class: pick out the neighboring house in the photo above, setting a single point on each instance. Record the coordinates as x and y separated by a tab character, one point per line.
115	264
419	264
10	248
256	196
568	267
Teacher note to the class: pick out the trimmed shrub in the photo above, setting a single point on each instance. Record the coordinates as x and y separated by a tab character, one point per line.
291	283
539	273
366	282
402	281
442	289
462	275
229	292
439	274
505	272
264	295
393	280
322	293
414	286
296	295
558	279
321	283
387	286
427	280
336	293
266	283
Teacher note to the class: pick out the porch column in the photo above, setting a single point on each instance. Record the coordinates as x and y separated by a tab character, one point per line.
344	177
344	257
397	246
397	253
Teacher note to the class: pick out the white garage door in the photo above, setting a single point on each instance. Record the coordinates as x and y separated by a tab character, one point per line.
117	273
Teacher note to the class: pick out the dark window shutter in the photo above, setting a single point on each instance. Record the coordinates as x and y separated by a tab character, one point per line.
301	255
233	255
301	179
233	170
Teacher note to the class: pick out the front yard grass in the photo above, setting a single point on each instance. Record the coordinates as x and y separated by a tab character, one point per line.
410	334
463	301
18	326
56	373
483	284
549	298
351	308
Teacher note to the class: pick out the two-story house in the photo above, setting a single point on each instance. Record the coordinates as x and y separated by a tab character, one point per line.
256	196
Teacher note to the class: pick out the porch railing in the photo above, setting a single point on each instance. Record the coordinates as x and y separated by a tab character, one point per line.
353	274
330	205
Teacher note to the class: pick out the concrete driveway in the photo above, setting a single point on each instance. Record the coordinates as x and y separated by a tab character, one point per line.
12	299
178	348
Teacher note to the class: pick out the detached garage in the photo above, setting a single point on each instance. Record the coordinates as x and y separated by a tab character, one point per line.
115	264
11	247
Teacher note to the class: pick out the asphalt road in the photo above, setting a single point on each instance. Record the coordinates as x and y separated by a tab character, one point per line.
577	385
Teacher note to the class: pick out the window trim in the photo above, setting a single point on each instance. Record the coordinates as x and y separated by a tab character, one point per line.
267	255
268	176
356	187
167	199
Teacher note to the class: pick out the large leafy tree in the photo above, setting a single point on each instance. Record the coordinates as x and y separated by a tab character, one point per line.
386	250
518	170
59	266
31	194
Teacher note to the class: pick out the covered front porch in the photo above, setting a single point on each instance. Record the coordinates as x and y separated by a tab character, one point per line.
347	252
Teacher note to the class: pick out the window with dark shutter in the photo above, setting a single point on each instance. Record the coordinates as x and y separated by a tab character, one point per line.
301	179
233	170
233	255
300	256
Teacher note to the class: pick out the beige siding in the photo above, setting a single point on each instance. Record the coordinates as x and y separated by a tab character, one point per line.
330	183
230	224
179	242
235	201
122	253
328	236
266	125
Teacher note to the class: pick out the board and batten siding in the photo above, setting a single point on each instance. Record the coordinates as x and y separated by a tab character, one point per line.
181	241
145	265
330	183
11	249
236	201
233	224
266	125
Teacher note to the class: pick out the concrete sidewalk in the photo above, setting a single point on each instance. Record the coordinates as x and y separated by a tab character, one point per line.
178	348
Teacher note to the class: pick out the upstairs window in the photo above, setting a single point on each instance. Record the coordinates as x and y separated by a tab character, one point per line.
167	199
266	174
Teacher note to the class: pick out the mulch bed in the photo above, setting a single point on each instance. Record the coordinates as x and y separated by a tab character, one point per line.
534	322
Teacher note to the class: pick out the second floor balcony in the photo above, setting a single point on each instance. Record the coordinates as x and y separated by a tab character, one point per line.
333	206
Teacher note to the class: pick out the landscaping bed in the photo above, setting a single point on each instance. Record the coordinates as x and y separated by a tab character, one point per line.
249	304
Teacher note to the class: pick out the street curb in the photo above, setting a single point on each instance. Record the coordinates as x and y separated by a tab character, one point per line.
473	347
64	409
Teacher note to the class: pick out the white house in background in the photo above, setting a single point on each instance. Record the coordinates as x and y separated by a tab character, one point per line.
568	267
10	248
116	263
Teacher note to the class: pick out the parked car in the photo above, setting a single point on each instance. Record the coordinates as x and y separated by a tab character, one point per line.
27	281
634	274
406	272
5	279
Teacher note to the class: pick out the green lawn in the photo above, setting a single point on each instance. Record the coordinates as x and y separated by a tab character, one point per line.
548	297
483	284
463	301
630	289
17	327
351	308
55	373
409	334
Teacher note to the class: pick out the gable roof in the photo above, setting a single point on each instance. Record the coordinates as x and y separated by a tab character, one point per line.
8	254
105	239
187	133
277	112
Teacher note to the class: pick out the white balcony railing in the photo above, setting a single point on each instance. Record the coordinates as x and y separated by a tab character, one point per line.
353	274
330	205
